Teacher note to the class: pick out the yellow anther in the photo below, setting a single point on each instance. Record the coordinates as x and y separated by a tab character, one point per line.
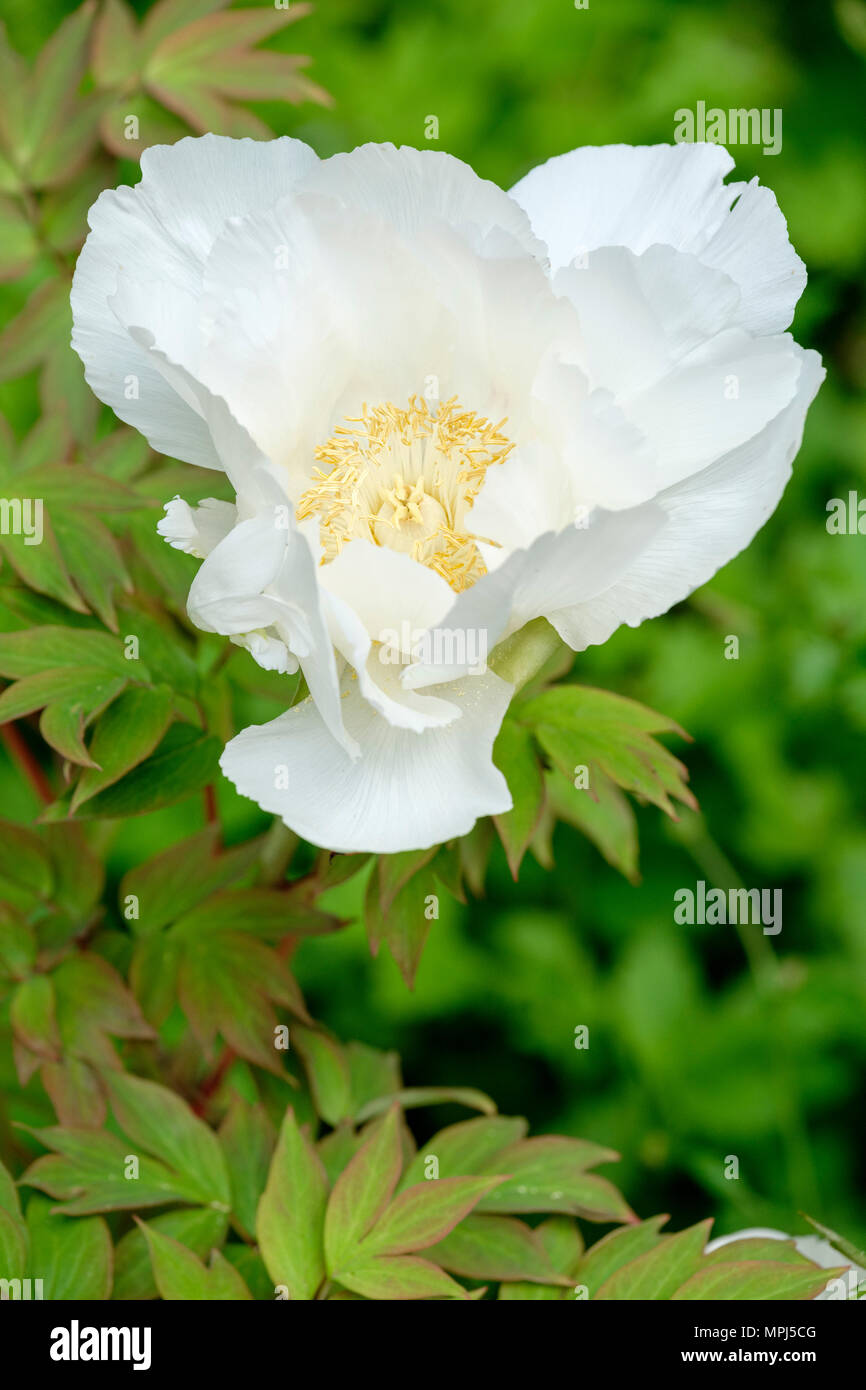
437	464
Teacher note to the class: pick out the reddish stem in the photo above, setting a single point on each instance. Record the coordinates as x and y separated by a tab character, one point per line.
211	1083
18	750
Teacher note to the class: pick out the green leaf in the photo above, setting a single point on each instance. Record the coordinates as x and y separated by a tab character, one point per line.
35	332
92	558
400	1277
24	860
32	652
9	1200
92	1001
659	1272
467	1147
845	1247
62	726
164	1125
579	726
495	1247
753	1279
114	56
337	1148
327	1069
226	983
13	1247
181	1276
270	913
374	1076
75	1093
153	974
163	646
193	68
88	1172
248	1263
617	1249
514	754
602	813
548	1174
74	1259
200	1229
757	1248
361	1193
423	1214
33	1017
18	244
42	567
523	1292
248	1144
13	1232
79	881
17	944
126	734
58	136
562	1242
171	883
184	763
396	908
291	1214
82	686
414	1097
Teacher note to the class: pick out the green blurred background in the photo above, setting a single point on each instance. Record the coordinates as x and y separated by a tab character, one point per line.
699	1049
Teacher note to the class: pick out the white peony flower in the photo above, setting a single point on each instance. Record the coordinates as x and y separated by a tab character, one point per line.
446	411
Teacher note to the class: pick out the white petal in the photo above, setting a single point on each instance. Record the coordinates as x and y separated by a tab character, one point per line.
407	791
719	397
268	652
391	593
255	479
642	314
410	189
751	245
196	530
557	570
377	602
627	195
161	231
313	314
711	517
263	576
620	195
316	309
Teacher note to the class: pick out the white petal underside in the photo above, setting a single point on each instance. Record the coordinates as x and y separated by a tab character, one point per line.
710	518
407	791
162	231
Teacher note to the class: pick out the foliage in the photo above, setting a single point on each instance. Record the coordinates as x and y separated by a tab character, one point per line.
161	1204
155	930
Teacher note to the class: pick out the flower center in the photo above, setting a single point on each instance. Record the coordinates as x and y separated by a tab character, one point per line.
406	479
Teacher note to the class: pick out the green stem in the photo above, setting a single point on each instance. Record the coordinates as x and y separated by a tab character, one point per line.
522	655
278	847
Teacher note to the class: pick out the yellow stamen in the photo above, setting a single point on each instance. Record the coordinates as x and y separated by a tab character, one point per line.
436	465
